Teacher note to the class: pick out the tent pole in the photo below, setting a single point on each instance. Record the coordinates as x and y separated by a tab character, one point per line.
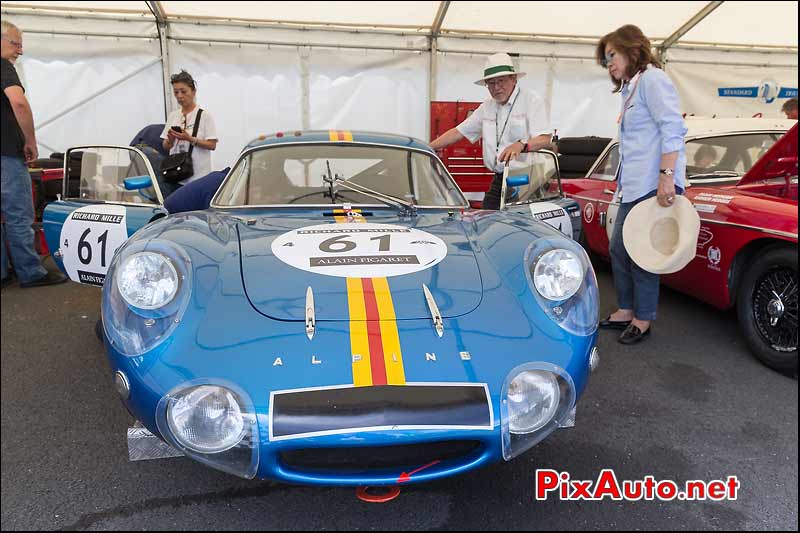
432	74
732	63
548	94
683	30
89	34
304	54
438	20
166	67
163	35
294	45
433	42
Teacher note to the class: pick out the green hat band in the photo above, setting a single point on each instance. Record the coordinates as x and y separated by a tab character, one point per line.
495	70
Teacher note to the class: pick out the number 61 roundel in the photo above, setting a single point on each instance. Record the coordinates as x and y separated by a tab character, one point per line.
89	238
359	250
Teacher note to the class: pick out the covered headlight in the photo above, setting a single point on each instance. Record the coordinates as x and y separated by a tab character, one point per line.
212	422
558	274
147	290
562	282
533	398
206	419
147	280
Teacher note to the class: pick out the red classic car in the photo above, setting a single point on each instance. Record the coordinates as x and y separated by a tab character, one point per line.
742	177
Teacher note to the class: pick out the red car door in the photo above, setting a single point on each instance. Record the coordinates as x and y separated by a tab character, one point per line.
594	193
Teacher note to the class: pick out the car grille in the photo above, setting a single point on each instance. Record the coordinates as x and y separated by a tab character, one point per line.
363	459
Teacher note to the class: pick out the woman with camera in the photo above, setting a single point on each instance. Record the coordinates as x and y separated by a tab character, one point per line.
190	135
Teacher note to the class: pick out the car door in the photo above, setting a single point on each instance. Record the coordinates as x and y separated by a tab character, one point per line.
109	192
595	195
539	194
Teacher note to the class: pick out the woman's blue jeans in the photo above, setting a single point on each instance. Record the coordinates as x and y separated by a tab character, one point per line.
636	288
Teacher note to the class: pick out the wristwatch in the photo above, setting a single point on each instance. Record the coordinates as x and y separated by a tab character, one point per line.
524	145
666	171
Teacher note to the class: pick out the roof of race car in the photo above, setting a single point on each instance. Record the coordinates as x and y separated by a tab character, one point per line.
703	126
711	126
339	136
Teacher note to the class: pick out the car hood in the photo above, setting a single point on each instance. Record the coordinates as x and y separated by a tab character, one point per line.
341	258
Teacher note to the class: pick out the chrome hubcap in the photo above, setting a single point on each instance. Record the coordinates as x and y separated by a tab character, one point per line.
775	308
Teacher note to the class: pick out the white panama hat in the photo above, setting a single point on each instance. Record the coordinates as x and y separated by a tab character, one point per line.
498	65
662	240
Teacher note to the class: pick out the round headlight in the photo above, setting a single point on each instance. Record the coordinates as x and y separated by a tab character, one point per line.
147	280
533	398
558	274
206	419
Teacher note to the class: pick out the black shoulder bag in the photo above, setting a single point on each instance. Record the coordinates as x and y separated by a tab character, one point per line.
177	167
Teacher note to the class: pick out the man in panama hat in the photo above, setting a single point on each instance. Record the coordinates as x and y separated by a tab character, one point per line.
511	123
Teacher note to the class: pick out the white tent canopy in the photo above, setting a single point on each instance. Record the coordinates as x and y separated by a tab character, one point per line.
98	71
731	23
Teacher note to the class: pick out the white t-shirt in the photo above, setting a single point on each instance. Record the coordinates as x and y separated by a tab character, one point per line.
528	119
201	158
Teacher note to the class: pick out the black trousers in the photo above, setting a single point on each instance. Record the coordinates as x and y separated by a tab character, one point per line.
492	198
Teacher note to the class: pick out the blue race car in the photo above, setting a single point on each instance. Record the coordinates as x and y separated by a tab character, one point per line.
339	316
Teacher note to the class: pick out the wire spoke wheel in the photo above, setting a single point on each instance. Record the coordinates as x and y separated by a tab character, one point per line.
775	308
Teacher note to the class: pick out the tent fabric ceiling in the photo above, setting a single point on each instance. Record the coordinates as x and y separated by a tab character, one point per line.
380	14
550	18
755	23
752	23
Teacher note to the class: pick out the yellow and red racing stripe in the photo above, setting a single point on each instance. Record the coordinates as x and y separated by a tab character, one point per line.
340	135
341	216
374	338
390	338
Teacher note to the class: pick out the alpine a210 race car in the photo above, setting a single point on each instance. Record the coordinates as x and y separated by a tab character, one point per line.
339	316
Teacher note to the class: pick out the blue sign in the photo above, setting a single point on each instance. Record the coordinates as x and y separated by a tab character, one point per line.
767	91
741	92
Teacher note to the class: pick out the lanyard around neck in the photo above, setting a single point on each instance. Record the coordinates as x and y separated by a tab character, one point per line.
634	83
496	117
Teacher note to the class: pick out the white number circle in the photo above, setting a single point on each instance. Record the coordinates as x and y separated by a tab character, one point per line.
89	238
359	250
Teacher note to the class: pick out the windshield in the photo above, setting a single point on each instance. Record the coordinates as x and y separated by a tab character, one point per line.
726	156
294	175
709	160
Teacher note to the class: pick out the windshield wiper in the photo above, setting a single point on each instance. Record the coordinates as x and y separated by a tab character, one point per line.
406	208
329	179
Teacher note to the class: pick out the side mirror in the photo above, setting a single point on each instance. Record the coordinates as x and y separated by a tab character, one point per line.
518	181
138	182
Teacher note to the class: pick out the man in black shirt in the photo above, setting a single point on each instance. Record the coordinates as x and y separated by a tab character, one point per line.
18	148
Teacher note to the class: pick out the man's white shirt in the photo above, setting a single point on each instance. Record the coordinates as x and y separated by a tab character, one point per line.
201	158
528	119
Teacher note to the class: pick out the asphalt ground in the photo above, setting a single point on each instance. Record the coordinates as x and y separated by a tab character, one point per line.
691	403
